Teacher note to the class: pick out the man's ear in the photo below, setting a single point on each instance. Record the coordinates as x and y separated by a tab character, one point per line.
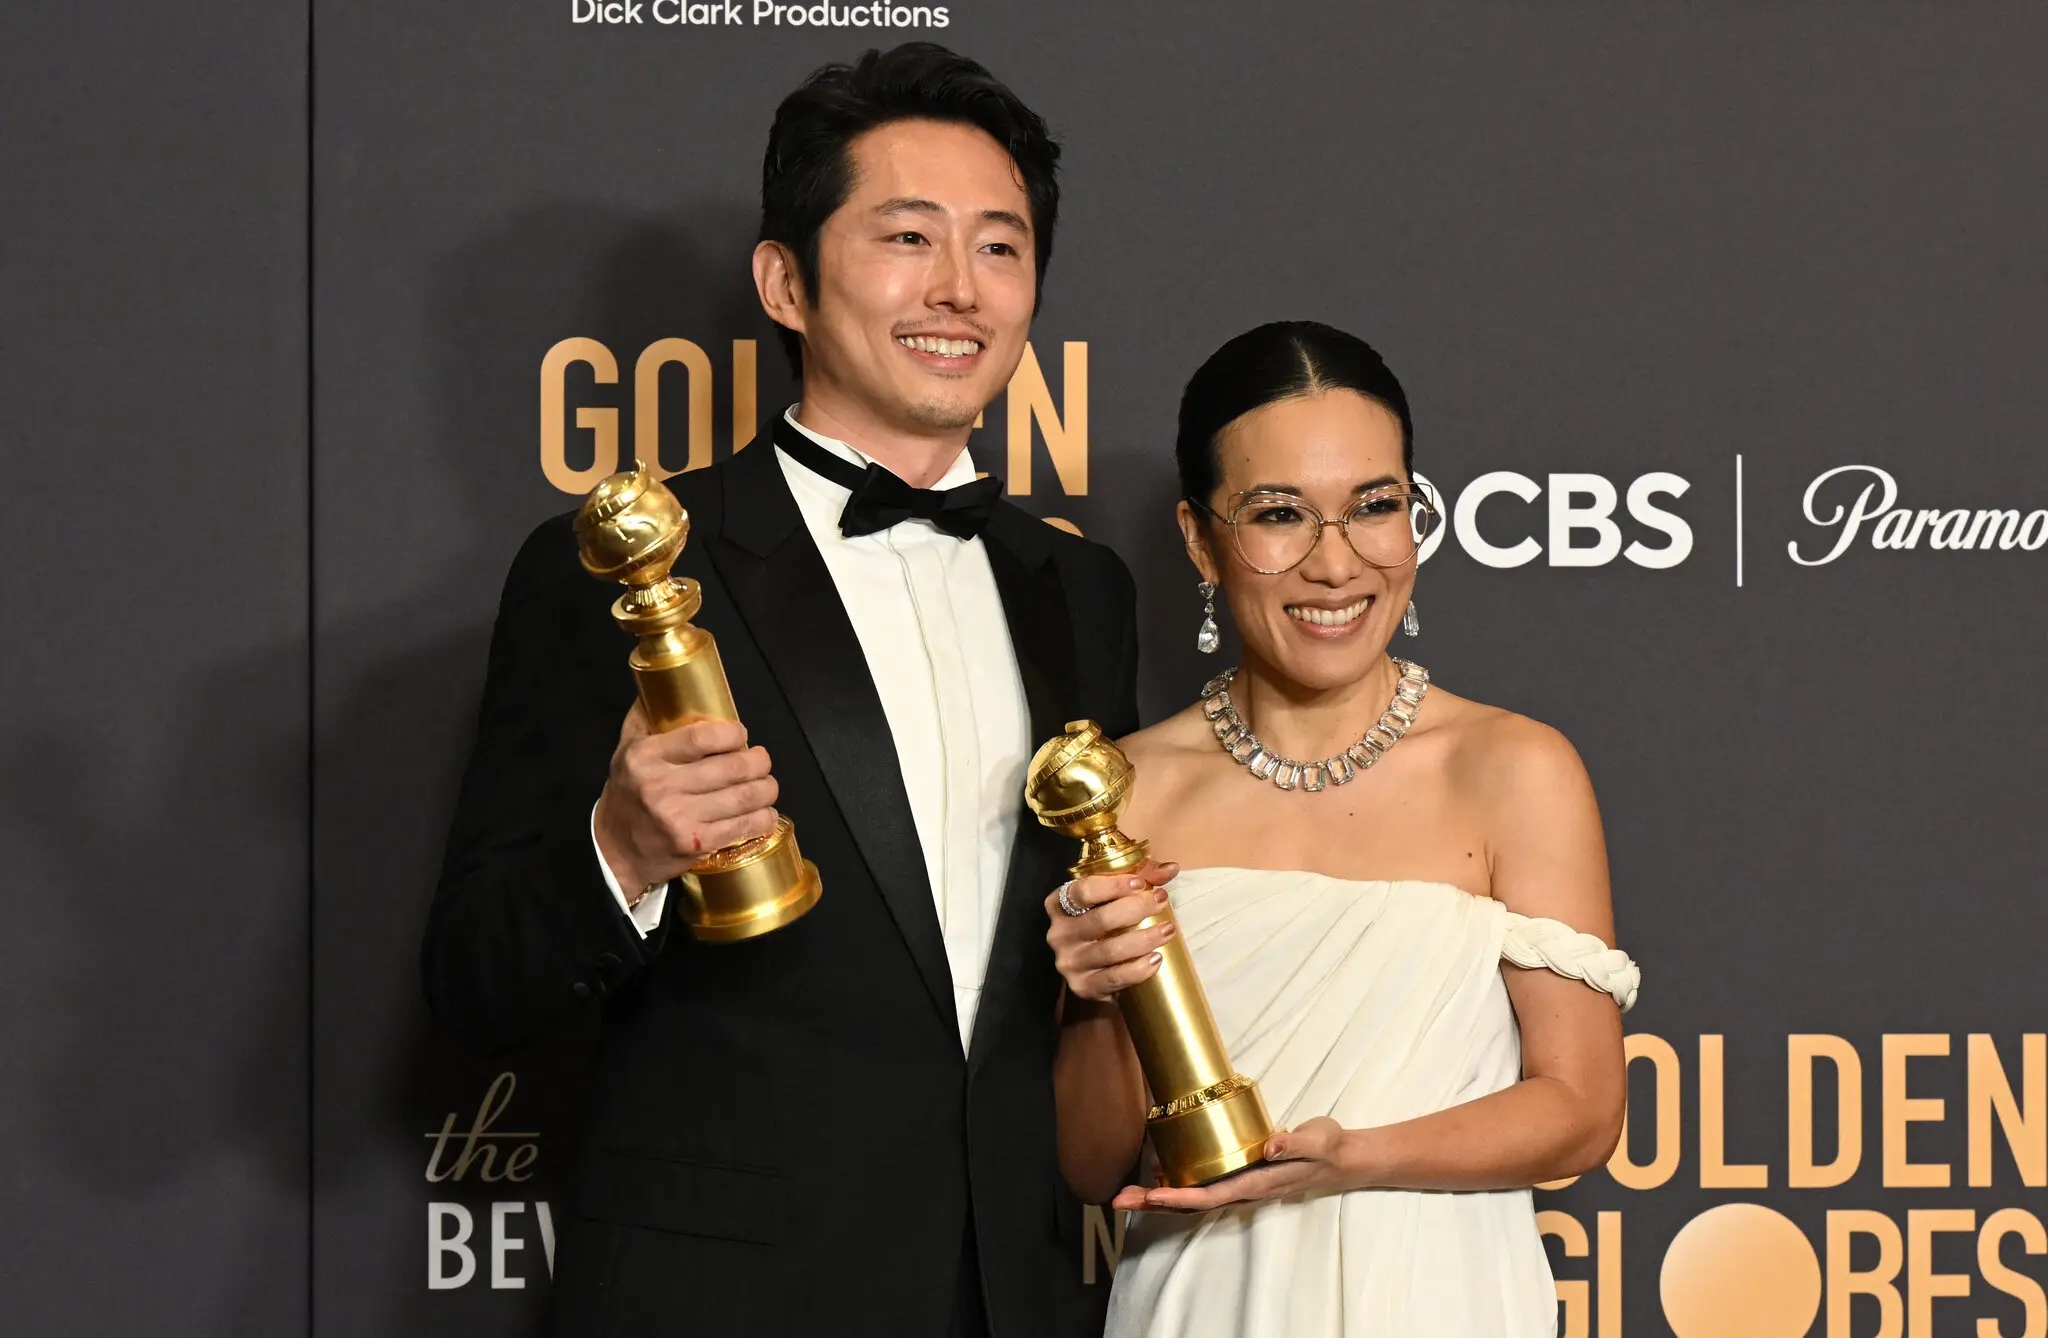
780	286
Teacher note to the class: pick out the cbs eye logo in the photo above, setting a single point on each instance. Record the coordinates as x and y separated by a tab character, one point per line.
1577	520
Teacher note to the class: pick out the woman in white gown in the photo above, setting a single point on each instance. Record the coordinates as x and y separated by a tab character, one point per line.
1403	930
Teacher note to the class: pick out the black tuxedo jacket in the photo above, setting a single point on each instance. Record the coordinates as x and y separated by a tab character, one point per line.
783	1134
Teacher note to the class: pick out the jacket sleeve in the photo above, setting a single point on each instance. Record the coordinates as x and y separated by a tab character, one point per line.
524	933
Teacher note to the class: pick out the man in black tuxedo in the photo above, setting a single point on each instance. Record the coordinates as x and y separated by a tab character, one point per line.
844	1126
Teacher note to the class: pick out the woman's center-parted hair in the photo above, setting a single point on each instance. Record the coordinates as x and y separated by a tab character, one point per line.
807	172
1277	361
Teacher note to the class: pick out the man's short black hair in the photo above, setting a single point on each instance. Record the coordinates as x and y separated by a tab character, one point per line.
808	171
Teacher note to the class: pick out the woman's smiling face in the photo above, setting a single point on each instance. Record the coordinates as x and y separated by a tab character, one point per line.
1325	622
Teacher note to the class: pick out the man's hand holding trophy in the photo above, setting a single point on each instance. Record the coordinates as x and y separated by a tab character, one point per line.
686	796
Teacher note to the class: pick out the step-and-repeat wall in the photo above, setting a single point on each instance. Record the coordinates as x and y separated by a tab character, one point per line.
1724	330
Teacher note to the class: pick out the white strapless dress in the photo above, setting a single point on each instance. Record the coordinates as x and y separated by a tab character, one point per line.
1370	1003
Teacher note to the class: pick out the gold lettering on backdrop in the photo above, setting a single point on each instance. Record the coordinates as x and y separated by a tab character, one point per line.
2024	1122
2034	1240
603	422
1608	1233
1582	1300
1715	1172
1880	1280
746	383
1801	1172
1923	1284
1102	1231
1908	1312
481	1143
1066	435
1062	422
1900	1111
1664	1161
1740	1270
647	403
1574	1294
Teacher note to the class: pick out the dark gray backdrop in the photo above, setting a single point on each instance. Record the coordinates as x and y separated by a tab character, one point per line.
153	723
1598	239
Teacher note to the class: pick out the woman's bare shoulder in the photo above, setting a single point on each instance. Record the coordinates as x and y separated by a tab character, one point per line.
1497	753
1524	783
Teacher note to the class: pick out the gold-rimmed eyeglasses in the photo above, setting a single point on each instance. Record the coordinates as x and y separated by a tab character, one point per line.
1275	532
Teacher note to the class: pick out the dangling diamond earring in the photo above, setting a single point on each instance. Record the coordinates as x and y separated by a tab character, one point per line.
1411	624
1207	640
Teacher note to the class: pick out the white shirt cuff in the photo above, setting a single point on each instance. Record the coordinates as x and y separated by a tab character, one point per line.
647	914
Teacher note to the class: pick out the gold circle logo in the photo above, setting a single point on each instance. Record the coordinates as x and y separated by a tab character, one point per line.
1740	1271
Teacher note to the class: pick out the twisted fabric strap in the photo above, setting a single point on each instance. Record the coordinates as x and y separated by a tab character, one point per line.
1556	945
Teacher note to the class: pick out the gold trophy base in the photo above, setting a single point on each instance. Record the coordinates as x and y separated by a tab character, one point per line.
749	889
1212	1138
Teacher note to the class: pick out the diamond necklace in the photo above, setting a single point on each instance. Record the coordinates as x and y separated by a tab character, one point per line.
1246	750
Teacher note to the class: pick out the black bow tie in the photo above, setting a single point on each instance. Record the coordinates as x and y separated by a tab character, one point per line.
880	499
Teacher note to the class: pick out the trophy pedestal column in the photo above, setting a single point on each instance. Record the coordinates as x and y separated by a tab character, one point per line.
1209	1119
631	529
745	889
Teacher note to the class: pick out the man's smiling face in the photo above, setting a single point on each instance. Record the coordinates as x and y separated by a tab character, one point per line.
927	278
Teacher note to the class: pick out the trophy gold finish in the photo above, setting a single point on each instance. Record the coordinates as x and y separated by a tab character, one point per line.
1207	1119
631	529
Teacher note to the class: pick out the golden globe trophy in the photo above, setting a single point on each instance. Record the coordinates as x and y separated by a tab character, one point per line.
630	529
1207	1119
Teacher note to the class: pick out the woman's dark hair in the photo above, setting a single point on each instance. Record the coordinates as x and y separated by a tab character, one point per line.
1276	362
808	171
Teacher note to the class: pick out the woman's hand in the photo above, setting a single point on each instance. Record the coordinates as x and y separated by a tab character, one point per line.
1095	954
1313	1158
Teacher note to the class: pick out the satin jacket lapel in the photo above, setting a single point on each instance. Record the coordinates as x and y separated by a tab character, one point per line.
785	594
1042	634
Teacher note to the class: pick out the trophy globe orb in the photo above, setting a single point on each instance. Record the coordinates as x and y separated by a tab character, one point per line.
1079	780
630	528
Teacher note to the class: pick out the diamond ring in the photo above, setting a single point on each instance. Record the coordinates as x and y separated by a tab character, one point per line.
1067	900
